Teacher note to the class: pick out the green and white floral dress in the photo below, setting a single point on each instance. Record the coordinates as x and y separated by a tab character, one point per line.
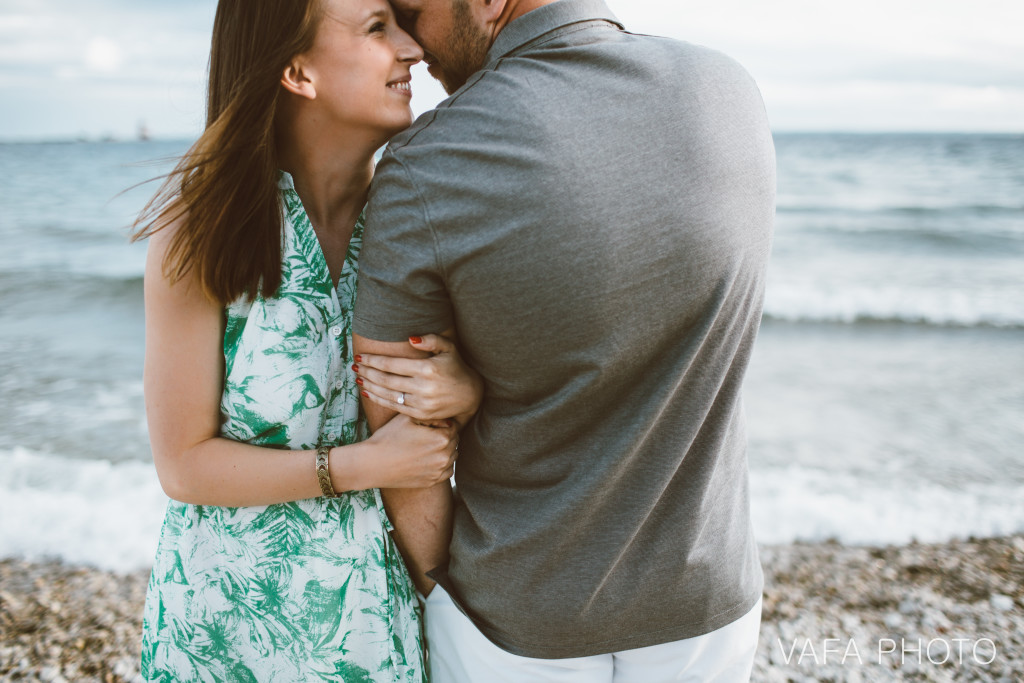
313	590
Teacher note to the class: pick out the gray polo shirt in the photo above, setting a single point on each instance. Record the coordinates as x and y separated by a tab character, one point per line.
592	212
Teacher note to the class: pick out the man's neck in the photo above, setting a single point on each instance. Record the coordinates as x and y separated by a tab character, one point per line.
515	9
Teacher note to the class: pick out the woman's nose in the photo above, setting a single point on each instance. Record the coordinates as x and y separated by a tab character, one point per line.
408	49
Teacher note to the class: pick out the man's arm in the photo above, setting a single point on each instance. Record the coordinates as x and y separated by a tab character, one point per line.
422	517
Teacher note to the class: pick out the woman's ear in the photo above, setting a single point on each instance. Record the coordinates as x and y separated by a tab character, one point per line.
297	80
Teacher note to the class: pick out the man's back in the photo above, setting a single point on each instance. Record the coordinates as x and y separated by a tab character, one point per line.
592	212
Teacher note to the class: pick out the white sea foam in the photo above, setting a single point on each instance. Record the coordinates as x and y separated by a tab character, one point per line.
108	515
82	511
800	504
850	303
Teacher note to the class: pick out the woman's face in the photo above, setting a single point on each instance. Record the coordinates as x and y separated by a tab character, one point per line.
360	63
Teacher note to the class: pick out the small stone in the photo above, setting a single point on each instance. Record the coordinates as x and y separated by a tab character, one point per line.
909	607
124	668
850	622
893	620
935	620
1001	603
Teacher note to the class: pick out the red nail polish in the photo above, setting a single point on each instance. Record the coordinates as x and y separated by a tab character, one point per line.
359	381
359	359
365	394
416	340
355	368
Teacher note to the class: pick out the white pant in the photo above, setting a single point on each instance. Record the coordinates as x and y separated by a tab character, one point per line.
459	653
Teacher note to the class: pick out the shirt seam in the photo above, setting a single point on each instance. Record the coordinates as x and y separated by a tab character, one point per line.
586	10
553	34
477	77
425	213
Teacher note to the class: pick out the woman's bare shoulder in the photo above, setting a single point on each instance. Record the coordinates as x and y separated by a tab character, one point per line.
165	279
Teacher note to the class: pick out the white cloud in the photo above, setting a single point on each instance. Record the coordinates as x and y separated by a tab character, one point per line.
872	64
98	68
865	65
102	54
887	106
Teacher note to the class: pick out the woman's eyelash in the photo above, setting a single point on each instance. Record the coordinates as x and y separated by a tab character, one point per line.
379	26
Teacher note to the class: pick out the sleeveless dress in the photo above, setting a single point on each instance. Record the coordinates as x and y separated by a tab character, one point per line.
312	590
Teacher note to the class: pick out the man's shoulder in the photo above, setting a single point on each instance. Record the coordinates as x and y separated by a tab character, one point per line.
421	128
450	139
457	118
687	56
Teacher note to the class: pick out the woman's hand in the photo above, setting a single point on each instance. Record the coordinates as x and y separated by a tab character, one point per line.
401	454
434	388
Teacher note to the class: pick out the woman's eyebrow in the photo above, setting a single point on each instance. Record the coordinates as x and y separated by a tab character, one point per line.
377	14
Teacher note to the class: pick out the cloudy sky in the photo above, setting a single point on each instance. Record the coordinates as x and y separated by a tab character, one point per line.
70	68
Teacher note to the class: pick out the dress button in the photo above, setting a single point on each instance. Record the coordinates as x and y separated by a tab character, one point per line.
335	331
338	385
333	436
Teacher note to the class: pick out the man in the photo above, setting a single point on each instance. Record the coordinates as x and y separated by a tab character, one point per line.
590	212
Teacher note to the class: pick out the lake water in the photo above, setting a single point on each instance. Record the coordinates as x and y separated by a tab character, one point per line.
885	401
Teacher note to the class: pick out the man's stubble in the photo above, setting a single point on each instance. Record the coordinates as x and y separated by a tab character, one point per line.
467	48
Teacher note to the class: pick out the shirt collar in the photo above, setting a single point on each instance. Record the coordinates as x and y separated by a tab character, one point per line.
544	20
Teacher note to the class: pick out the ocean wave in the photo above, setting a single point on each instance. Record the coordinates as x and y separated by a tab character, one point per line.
953	241
97	259
1014	211
109	515
796	303
29	283
798	504
95	512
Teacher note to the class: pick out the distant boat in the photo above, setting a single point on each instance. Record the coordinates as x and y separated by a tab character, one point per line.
143	132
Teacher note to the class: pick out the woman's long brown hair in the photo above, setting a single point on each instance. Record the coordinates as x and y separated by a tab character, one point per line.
225	186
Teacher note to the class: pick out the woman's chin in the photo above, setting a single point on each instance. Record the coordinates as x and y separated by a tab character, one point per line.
398	128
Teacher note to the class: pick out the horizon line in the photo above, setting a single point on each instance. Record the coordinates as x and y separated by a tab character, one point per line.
113	139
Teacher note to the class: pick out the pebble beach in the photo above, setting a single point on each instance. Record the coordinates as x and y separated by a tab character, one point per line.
920	612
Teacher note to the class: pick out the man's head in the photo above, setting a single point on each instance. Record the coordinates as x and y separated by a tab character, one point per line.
454	41
456	34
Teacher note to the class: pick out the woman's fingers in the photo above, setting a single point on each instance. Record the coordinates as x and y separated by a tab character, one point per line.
397	401
387	380
413	396
433	343
421	408
436	424
404	367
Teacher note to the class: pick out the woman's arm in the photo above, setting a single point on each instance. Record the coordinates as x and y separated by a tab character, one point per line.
437	387
422	517
183	379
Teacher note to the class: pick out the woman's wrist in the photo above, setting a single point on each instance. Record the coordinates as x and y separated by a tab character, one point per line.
346	471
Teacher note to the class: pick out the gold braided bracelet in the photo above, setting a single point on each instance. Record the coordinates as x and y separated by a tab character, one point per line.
323	471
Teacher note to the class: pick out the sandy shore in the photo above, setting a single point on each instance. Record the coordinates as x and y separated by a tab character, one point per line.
944	612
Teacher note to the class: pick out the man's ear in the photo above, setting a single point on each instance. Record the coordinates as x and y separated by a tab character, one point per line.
297	79
491	10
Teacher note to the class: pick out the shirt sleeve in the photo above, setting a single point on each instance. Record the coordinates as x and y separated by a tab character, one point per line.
401	289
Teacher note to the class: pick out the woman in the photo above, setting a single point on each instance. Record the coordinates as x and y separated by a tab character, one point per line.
263	572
